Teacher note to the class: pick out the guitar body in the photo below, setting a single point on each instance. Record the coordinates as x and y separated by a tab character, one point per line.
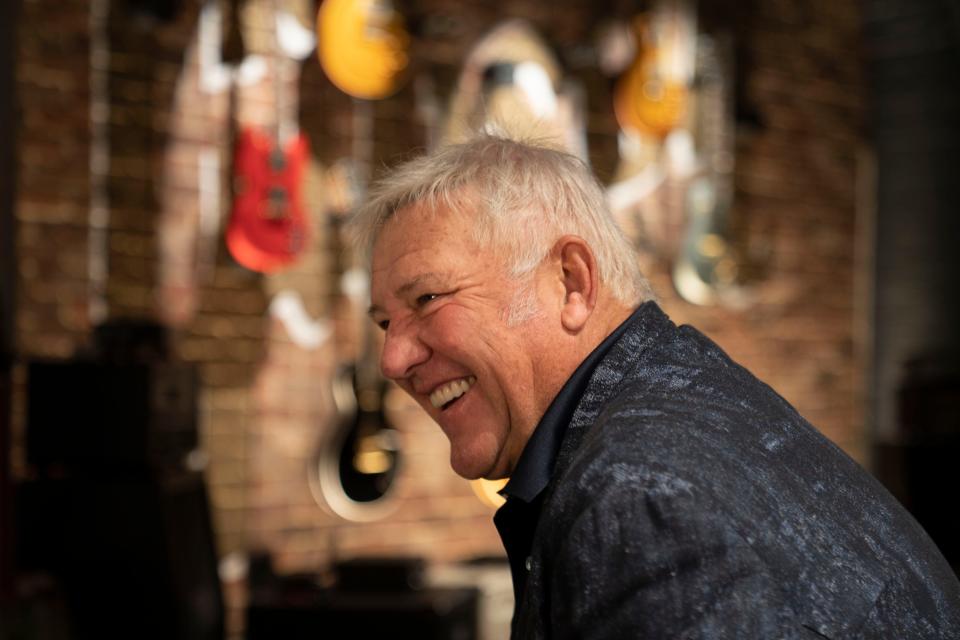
267	228
362	46
366	445
651	97
646	102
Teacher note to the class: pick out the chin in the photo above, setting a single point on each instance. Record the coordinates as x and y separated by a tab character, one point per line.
478	455
473	467
469	470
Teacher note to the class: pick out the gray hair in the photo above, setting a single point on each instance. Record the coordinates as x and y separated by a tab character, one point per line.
522	196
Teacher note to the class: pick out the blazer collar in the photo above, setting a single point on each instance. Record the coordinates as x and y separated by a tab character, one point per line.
645	329
563	425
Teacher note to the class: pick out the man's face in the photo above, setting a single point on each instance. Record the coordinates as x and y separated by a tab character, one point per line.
444	305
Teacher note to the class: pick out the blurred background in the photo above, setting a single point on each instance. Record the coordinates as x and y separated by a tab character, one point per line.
194	441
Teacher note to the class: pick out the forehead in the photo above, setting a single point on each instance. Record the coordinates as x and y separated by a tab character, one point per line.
419	247
420	232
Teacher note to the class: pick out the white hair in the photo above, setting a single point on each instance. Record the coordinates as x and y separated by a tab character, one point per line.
521	197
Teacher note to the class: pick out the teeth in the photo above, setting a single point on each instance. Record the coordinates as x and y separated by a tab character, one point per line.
450	391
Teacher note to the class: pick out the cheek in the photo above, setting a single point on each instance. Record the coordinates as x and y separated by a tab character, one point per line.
453	329
483	345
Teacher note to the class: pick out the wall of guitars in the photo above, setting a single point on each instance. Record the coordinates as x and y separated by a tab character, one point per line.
235	137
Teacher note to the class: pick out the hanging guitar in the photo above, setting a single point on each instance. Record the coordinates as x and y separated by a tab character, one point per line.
366	448
355	467
267	229
362	46
707	268
652	96
512	80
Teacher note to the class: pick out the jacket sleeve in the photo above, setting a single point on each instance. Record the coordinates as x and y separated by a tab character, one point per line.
647	557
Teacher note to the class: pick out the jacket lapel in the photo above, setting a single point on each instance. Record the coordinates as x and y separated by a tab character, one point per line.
647	328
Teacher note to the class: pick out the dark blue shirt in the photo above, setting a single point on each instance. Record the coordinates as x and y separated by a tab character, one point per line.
516	520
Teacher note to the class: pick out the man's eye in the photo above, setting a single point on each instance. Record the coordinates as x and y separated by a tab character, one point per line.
426	298
383	324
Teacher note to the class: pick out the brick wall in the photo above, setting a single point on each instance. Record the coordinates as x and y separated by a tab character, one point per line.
796	184
266	404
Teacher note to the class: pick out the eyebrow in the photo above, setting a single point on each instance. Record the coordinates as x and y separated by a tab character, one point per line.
405	288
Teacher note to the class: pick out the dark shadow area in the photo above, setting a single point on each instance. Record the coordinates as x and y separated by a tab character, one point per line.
113	524
913	52
370	597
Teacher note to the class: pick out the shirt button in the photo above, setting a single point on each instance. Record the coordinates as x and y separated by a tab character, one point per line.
528	562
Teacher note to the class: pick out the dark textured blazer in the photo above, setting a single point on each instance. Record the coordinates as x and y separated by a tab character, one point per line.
689	500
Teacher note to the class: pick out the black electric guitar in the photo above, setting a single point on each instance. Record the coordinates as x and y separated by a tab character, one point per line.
369	445
356	466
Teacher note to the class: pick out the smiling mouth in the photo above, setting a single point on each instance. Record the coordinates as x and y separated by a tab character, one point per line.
445	395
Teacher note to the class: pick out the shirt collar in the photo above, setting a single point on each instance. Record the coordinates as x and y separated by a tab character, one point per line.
535	466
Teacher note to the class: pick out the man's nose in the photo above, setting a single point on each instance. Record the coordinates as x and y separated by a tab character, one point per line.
402	352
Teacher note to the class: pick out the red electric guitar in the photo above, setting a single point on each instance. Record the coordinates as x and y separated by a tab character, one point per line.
267	228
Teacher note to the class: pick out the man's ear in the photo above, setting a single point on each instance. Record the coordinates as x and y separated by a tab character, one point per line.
580	281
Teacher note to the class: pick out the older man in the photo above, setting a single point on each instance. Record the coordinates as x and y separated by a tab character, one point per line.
657	489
